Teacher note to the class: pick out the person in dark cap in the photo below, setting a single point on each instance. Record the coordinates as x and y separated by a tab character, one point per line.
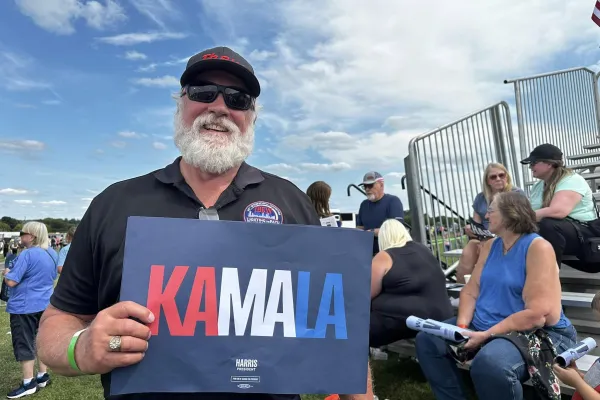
86	329
378	207
563	203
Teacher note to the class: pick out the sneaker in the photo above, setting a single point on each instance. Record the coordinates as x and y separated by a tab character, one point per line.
23	390
43	380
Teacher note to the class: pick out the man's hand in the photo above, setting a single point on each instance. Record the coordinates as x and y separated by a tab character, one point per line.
92	353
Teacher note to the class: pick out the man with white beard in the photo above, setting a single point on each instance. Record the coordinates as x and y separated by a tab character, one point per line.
214	131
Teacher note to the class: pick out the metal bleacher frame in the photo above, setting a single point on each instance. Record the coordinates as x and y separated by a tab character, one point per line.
562	108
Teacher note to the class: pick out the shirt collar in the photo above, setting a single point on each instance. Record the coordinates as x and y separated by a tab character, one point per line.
247	174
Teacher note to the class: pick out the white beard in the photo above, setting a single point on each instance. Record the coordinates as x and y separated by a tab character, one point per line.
213	153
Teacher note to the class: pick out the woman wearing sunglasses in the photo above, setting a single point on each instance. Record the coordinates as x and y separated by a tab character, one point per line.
496	179
564	207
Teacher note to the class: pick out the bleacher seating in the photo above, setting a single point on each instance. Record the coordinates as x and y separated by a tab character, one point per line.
578	288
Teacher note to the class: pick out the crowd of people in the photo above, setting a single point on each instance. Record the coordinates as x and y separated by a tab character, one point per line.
80	327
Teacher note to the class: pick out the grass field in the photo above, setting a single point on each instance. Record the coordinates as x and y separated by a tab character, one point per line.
394	380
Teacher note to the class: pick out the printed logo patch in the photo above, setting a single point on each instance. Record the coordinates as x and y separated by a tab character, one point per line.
263	212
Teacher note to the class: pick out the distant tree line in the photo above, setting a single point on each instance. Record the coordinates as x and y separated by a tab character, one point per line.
9	224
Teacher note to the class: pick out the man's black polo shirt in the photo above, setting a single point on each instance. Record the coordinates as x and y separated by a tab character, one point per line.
91	277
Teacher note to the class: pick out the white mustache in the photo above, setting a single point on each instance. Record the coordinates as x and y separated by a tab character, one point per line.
211	119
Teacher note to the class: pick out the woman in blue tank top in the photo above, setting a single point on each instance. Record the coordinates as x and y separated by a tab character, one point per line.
515	287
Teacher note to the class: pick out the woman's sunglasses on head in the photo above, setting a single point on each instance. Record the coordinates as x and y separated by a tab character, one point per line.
235	98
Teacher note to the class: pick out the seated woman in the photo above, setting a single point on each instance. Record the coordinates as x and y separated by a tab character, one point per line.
406	279
514	288
496	179
560	193
319	193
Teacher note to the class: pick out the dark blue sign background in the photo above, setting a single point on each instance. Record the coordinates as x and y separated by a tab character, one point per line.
284	365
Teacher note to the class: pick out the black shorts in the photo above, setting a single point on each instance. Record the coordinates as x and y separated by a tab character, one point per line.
23	330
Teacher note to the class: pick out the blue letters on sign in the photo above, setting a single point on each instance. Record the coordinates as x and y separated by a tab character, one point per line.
267	308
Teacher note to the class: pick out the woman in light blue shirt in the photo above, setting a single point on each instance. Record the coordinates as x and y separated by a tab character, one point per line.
62	254
561	199
31	280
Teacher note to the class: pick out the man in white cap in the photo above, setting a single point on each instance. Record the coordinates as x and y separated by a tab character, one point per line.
378	206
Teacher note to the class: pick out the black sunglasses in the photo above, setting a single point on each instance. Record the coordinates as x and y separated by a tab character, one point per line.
235	98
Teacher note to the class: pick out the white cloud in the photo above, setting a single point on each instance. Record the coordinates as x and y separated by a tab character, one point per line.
173	62
131	135
261	55
13	192
159	146
394	175
130	39
135	55
339	166
53	203
16	72
23	201
87	199
58	16
162	81
21	145
156	10
308	167
335	66
118	144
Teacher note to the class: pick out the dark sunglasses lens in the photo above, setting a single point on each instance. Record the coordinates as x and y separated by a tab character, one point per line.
203	94
369	186
237	100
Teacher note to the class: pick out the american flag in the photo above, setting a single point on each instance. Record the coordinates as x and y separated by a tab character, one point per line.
596	13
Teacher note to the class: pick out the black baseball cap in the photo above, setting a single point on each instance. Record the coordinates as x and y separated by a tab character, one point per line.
543	152
224	59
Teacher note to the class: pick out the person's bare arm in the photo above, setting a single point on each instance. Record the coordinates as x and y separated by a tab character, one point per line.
380	265
470	292
561	206
366	396
54	335
542	291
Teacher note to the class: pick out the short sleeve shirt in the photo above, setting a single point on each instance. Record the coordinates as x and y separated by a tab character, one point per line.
372	214
480	206
35	272
91	278
62	255
583	211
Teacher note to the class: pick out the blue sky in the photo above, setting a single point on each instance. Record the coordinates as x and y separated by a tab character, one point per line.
85	86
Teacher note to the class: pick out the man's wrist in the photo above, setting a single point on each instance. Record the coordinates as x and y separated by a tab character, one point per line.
74	344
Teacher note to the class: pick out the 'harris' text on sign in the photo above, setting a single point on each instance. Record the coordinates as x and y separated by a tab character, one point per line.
265	315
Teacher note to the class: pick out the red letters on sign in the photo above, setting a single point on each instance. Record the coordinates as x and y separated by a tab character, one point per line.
157	297
204	283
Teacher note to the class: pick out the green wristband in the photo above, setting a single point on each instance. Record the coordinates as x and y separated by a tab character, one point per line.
71	350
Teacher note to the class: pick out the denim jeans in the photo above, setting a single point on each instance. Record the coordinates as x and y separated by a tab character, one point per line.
497	370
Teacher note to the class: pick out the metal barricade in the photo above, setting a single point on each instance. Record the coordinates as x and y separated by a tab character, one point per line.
444	172
560	108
